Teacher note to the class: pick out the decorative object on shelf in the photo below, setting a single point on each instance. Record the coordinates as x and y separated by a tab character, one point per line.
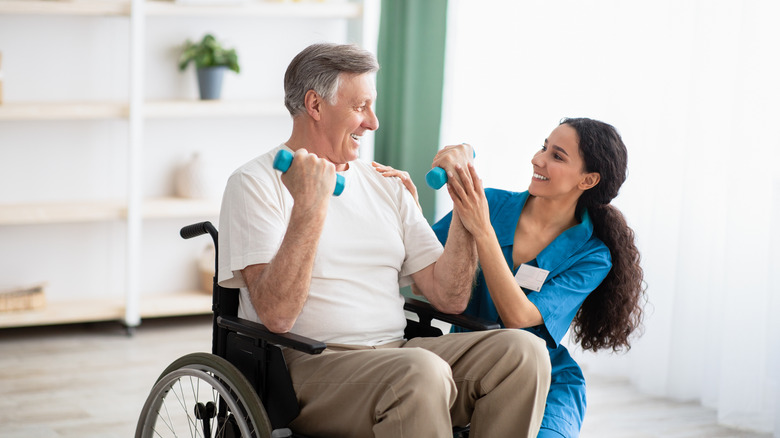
1	78
193	179
23	298
211	60
211	2
206	268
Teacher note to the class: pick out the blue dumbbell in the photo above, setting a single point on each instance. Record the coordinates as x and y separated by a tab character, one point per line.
437	177
284	158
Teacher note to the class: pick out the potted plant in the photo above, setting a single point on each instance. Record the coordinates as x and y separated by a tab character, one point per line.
211	60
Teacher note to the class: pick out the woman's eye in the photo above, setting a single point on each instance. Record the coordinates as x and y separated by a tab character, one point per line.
544	148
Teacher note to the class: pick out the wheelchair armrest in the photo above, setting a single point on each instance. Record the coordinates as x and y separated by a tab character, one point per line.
259	331
427	311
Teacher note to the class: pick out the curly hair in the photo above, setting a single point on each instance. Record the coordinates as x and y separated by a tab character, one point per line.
614	310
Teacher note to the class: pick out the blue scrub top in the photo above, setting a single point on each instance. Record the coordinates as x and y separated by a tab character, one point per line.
578	262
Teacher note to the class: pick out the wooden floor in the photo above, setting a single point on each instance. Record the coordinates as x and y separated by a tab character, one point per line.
91	381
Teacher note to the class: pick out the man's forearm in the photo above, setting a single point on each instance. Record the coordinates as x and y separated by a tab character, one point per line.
279	289
454	271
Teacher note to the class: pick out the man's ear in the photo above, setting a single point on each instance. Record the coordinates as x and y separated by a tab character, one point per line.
313	104
589	181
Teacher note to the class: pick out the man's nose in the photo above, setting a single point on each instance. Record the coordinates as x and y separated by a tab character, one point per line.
371	122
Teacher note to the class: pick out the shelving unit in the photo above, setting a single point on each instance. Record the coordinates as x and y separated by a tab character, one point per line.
135	213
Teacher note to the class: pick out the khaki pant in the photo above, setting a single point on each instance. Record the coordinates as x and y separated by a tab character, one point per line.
496	380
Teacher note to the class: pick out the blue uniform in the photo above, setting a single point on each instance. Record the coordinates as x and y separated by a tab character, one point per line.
578	262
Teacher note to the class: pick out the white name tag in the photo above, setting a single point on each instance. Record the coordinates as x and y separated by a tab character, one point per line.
530	277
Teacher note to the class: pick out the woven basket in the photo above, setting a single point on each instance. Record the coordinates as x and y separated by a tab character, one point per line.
23	298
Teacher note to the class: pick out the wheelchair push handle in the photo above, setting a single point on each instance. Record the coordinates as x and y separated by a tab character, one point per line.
199	229
437	177
283	160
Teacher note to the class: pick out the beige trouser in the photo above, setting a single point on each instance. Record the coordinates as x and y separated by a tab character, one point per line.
496	380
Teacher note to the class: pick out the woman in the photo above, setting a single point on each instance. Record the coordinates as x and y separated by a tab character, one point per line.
573	253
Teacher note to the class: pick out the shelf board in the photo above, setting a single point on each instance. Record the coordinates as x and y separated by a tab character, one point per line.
163	208
212	108
255	8
93	310
66	312
60	212
240	8
176	304
57	7
74	212
11	111
161	109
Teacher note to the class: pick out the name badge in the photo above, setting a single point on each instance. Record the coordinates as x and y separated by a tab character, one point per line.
531	277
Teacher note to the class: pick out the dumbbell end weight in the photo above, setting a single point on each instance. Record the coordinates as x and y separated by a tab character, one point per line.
436	178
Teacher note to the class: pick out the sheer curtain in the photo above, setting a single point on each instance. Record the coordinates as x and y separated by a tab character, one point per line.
693	88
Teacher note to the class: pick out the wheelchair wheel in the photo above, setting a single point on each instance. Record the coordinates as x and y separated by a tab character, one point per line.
203	395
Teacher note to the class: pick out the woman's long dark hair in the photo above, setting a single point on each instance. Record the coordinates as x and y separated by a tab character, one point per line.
613	311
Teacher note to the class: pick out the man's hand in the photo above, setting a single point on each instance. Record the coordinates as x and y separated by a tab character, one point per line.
310	180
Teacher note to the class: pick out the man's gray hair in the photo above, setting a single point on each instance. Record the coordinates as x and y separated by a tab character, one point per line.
318	67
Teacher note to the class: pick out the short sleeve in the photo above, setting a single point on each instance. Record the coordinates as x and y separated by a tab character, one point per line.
252	222
562	295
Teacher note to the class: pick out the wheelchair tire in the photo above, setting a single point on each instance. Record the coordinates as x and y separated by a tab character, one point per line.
186	397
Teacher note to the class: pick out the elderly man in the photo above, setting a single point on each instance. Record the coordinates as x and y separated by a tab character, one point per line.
330	268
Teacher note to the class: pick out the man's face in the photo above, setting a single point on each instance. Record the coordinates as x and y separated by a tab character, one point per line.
350	116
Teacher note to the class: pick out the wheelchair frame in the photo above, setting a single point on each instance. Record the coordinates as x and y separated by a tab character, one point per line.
246	385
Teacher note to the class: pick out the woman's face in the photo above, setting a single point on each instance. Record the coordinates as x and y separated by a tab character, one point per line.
559	170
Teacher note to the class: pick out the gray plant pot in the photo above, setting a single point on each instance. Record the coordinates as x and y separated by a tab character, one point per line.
210	82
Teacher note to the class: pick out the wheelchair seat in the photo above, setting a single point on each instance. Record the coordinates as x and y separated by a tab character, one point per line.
243	388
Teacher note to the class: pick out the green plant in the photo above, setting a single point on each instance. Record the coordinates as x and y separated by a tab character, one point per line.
208	53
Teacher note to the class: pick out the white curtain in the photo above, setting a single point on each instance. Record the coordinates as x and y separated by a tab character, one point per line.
694	89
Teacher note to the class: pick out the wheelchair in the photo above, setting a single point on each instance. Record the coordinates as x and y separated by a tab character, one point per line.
243	388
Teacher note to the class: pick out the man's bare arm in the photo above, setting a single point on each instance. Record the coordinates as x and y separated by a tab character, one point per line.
447	283
279	289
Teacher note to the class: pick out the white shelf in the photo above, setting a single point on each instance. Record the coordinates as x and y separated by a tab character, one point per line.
166	208
77	311
56	7
126	301
60	212
66	312
10	111
248	8
213	108
176	304
75	212
255	8
170	109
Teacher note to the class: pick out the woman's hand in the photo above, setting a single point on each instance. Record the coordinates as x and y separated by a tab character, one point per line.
388	171
469	201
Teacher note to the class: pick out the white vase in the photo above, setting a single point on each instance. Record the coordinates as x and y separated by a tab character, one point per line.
192	179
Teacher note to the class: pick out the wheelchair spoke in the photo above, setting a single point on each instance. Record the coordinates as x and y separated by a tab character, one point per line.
202	396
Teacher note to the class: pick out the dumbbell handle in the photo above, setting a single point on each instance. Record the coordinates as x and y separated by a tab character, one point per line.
437	177
283	160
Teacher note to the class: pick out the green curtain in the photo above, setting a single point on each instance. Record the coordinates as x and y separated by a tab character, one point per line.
410	50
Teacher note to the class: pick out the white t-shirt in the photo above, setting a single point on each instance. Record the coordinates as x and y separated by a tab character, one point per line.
374	238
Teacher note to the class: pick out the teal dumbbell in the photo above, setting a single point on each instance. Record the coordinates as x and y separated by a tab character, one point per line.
437	177
284	158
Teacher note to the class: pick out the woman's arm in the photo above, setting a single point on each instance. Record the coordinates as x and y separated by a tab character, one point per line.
470	203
